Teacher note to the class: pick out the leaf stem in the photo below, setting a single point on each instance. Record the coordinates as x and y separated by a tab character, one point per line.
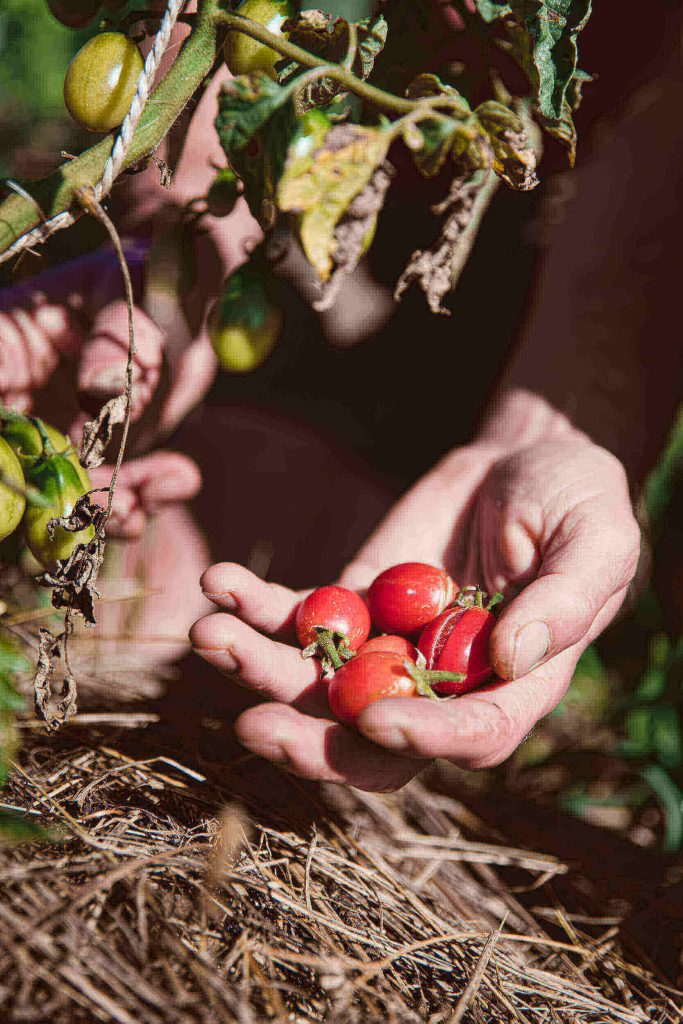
377	97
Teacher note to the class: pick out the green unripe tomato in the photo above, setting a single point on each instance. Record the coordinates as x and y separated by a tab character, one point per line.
12	505
57	480
23	437
245	323
74	13
244	55
223	194
100	81
241	349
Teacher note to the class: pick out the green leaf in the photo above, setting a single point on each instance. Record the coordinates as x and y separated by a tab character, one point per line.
491	10
21	828
671	801
667	742
513	159
638	726
320	186
245	104
256	121
430	142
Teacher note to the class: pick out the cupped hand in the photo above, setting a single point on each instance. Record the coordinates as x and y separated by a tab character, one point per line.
533	508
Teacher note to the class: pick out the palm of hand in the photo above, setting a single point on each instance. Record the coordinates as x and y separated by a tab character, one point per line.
549	524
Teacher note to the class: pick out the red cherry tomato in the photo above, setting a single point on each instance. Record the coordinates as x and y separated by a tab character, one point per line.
458	641
362	681
393	644
406	597
332	623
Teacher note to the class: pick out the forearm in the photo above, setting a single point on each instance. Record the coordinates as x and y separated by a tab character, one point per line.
601	346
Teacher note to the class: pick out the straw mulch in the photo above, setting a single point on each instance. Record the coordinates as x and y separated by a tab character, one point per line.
198	889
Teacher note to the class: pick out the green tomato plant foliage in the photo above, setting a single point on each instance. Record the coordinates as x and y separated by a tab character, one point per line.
12	502
244	55
100	81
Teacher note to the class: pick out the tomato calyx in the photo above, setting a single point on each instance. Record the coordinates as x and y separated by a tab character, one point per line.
474	597
331	647
426	679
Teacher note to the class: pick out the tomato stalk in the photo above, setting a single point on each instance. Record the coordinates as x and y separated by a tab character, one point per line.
475	597
331	646
426	679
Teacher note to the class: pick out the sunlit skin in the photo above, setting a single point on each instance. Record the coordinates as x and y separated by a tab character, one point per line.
546	510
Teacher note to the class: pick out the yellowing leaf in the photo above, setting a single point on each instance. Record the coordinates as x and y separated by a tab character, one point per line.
320	186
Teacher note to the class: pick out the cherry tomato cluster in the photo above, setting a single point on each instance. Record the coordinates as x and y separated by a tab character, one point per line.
36	456
433	642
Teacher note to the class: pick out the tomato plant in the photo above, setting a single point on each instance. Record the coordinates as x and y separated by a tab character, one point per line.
244	55
457	641
100	81
332	622
393	644
12	503
405	597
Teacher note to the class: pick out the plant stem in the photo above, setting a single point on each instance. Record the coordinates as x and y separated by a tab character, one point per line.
58	191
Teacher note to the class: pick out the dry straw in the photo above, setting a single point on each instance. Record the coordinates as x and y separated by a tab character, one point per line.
188	889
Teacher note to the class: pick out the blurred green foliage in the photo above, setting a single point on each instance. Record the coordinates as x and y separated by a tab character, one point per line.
35	50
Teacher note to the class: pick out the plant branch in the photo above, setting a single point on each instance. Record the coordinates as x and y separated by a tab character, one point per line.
57	192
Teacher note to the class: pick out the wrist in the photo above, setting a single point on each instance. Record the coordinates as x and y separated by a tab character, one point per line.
521	418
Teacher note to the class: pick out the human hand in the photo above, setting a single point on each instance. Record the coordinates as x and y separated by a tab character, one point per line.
532	508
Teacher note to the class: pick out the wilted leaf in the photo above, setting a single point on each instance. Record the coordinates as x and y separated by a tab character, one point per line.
513	159
51	647
320	186
437	269
97	433
354	233
430	142
327	36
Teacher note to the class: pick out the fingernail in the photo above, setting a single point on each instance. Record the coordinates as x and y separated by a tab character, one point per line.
226	599
222	659
531	646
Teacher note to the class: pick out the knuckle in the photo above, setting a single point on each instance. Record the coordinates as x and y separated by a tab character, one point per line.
498	739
